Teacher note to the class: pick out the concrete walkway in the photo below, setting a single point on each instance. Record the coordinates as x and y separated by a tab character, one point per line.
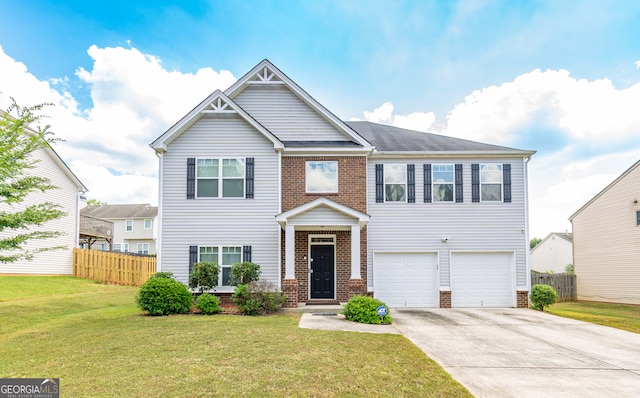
509	352
526	353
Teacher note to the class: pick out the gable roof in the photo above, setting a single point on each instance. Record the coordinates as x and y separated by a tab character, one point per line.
55	157
142	210
266	73
216	103
362	218
567	236
394	140
599	194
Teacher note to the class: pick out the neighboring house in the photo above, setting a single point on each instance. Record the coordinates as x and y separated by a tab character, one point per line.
67	195
262	172
134	227
553	253
606	242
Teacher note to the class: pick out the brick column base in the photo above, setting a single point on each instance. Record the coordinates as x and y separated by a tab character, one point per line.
445	298
290	288
357	287
523	298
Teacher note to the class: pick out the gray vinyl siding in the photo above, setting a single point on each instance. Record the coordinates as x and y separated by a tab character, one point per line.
606	244
419	226
66	195
286	115
219	221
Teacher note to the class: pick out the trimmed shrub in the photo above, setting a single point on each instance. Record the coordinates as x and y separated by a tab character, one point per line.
164	296
208	304
542	296
204	276
364	309
258	298
168	275
244	273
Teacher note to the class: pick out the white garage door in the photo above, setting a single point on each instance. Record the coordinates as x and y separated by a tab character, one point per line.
482	280
405	279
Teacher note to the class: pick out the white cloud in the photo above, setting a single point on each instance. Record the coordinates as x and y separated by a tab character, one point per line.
134	100
419	121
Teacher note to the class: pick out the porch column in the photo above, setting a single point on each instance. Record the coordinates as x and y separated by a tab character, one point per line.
290	252
355	252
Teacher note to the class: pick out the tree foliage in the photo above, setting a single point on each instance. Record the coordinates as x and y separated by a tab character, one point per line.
20	137
534	242
95	202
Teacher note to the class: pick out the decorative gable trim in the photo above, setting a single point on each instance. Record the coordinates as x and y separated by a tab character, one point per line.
267	73
283	218
216	103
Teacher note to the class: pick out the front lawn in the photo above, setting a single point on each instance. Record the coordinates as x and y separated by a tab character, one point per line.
94	338
619	316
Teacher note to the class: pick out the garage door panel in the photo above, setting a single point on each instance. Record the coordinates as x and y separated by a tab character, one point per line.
482	280
406	279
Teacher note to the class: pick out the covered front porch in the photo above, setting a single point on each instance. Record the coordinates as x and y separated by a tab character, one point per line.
324	246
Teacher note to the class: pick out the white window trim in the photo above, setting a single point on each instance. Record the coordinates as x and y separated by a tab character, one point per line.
434	183
221	179
150	223
384	183
126	226
219	248
306	176
143	244
499	165
125	247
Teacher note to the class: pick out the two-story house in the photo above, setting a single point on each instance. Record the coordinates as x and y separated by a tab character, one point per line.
134	227
262	172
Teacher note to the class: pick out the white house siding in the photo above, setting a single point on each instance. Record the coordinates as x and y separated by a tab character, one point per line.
219	221
58	261
323	216
553	254
286	115
419	227
606	243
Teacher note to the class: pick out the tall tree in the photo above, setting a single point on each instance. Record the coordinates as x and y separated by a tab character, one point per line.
20	136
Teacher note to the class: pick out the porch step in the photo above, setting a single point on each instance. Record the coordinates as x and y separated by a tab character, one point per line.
323	302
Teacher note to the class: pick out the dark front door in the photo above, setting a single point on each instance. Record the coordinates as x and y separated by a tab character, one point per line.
322	275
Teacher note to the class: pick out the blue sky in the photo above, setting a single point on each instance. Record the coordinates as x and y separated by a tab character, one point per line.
559	77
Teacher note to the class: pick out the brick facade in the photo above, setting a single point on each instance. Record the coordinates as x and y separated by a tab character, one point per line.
352	192
445	298
352	182
523	298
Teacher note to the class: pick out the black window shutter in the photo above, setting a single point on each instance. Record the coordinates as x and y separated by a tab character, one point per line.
193	256
379	183
506	182
427	183
249	171
475	183
458	179
411	183
191	178
246	253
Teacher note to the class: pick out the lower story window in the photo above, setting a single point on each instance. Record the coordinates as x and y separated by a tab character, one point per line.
224	256
143	248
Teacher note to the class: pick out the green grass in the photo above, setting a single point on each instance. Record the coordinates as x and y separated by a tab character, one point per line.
619	316
98	343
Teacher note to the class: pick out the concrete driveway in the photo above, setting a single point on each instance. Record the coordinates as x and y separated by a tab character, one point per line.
525	353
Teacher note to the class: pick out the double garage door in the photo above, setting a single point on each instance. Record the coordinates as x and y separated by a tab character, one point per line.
411	279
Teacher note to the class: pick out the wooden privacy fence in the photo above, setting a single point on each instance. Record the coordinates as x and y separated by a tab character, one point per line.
564	284
116	268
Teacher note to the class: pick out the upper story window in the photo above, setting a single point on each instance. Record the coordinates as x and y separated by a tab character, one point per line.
395	183
128	225
148	223
491	182
220	178
637	217
443	182
321	176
